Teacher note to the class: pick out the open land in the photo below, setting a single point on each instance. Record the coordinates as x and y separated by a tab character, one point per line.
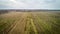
30	22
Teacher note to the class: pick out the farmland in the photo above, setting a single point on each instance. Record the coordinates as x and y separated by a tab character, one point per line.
30	23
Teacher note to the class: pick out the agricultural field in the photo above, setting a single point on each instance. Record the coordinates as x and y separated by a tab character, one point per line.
30	23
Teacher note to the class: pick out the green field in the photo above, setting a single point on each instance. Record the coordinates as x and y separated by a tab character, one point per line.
30	23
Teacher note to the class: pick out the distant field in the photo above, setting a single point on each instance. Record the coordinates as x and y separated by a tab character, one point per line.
30	23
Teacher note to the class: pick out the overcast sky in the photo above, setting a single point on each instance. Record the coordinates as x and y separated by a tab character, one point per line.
29	4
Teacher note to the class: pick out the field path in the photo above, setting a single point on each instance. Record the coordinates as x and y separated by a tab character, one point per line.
20	25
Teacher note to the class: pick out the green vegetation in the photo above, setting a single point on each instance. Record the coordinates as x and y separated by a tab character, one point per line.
30	23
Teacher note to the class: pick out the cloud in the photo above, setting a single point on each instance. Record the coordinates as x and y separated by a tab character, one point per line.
17	4
35	4
13	4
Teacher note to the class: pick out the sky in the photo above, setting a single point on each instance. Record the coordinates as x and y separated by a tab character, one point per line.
30	4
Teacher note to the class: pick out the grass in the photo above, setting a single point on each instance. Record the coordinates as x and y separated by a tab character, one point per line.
30	23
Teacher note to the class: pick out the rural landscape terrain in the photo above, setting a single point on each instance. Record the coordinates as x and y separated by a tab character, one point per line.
29	22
